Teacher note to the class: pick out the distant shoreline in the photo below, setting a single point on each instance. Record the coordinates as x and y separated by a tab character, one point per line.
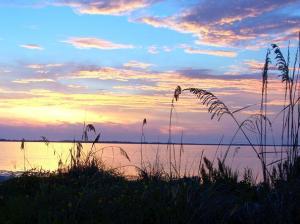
135	143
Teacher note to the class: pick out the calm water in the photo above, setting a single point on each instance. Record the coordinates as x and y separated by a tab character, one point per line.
40	156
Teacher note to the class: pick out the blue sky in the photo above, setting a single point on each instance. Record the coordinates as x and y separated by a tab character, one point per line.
112	63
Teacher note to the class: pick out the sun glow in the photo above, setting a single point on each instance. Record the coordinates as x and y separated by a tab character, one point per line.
50	115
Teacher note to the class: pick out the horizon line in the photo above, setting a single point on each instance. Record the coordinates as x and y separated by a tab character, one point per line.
135	142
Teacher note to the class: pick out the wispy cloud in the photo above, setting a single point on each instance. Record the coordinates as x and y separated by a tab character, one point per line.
137	64
32	46
153	49
41	66
219	53
249	67
26	81
104	7
164	81
167	49
110	73
76	86
97	43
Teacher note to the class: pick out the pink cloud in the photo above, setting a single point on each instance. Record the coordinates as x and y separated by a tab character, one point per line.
32	46
104	7
219	53
137	64
97	43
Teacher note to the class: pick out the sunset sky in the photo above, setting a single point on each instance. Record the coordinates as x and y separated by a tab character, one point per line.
114	63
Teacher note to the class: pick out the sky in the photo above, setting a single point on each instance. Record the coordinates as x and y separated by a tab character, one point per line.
113	63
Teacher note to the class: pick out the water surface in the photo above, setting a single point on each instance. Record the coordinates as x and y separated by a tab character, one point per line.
38	155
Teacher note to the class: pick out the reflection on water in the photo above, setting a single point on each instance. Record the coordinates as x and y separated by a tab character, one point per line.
40	156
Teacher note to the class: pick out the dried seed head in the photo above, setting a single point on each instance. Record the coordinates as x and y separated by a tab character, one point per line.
23	144
177	92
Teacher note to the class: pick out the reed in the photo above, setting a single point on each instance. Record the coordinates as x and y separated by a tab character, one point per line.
24	153
143	139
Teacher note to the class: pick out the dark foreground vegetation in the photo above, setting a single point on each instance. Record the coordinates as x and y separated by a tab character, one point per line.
92	195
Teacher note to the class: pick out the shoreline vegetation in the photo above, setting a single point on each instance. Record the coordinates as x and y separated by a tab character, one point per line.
93	194
85	190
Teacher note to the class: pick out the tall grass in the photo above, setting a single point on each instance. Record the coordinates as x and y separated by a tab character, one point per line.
22	147
143	139
261	122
